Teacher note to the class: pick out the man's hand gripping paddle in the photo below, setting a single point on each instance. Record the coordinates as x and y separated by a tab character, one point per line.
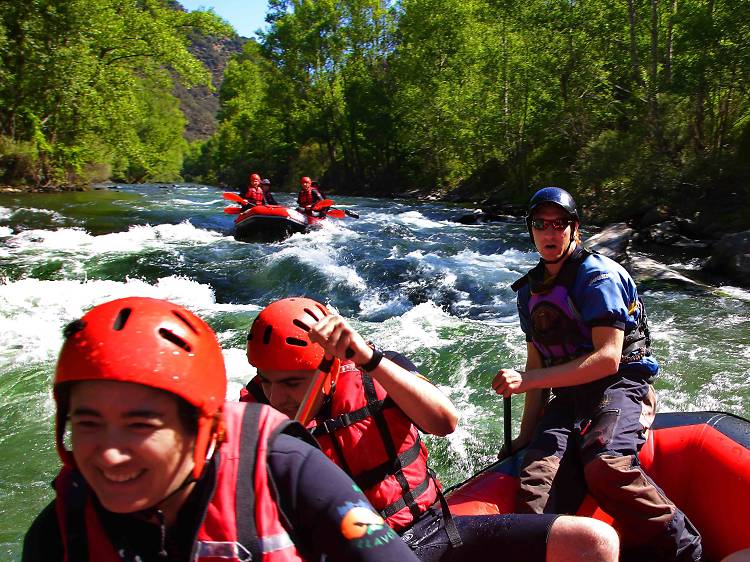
323	372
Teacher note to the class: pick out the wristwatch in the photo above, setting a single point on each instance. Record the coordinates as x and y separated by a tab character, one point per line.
377	356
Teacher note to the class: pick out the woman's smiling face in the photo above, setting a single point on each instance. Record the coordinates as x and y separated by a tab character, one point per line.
129	443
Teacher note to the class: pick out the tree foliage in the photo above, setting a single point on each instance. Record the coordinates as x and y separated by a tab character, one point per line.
87	86
625	102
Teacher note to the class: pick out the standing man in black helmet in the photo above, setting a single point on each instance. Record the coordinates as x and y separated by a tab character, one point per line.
588	341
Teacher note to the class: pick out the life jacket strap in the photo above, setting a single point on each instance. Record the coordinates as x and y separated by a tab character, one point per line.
371	477
350	418
407	499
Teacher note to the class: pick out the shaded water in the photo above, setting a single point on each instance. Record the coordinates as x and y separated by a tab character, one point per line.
410	277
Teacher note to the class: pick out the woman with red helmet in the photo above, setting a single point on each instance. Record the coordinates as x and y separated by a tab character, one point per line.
366	419
254	192
308	196
162	468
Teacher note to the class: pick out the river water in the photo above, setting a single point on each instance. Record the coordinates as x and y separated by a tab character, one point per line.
410	277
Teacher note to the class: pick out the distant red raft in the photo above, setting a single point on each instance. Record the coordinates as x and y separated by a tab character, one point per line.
268	223
700	459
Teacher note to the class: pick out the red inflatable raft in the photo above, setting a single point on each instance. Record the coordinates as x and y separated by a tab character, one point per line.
271	223
700	459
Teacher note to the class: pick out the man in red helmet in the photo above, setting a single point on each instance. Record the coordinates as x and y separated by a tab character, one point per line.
308	196
366	419
254	192
161	468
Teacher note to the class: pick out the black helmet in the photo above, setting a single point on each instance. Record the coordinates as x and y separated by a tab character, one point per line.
556	196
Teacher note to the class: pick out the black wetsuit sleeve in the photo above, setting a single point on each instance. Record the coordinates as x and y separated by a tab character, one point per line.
42	542
328	512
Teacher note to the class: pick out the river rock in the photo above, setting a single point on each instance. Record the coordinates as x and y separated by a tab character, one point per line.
612	241
673	233
731	256
479	217
615	242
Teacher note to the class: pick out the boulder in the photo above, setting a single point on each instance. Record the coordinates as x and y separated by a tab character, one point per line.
612	241
615	243
672	233
731	256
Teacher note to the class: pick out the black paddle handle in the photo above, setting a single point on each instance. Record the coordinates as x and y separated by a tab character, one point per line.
507	425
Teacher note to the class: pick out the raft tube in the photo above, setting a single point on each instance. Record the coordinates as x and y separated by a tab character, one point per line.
700	459
270	223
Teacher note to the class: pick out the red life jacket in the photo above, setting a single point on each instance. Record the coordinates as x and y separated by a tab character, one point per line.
233	529
308	197
369	437
254	195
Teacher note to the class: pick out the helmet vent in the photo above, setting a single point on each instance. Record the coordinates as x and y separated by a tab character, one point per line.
186	322
267	334
175	339
296	341
311	313
301	324
122	318
73	328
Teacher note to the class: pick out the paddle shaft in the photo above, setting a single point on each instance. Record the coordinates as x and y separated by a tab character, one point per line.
507	426
304	412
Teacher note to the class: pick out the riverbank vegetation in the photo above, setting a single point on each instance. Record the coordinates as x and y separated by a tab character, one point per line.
630	104
86	89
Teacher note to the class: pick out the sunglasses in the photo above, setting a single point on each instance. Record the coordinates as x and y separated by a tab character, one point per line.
556	224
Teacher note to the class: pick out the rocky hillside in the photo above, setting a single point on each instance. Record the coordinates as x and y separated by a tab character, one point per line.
199	104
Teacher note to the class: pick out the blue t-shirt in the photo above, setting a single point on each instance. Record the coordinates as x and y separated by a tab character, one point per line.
604	294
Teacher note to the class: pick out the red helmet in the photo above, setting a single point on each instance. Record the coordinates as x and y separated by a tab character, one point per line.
150	342
254	177
305	180
278	339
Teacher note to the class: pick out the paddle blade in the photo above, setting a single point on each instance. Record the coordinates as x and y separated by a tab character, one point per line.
324	203
229	196
335	213
351	214
233	210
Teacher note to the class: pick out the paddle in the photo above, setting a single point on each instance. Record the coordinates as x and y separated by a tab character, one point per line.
233	210
331	212
323	203
326	205
316	386
229	196
507	426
